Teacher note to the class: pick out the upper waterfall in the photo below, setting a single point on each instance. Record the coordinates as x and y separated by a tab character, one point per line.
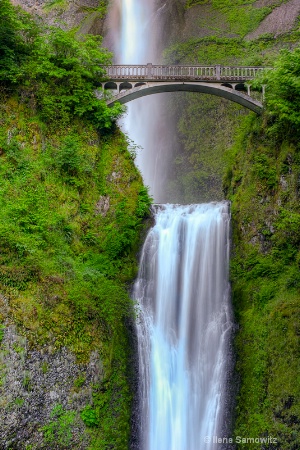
133	37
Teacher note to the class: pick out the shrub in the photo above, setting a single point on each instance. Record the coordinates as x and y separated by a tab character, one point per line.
89	417
283	93
59	430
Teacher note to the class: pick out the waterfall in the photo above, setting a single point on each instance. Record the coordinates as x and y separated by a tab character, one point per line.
183	327
133	37
182	290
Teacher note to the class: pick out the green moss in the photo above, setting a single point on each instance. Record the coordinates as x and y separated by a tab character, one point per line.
59	430
2	332
264	276
65	262
51	4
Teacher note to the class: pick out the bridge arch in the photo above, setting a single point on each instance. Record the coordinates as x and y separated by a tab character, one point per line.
111	85
125	86
240	87
140	84
217	89
228	85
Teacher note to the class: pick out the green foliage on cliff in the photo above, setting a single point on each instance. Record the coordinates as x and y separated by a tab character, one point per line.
72	209
263	184
59	430
283	94
16	37
72	212
56	72
241	16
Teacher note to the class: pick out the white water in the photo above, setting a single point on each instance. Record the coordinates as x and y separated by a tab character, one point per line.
133	38
183	326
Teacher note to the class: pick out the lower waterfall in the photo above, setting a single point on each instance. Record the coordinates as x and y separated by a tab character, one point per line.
183	326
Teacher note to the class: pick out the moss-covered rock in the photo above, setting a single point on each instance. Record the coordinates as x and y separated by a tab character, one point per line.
263	185
72	209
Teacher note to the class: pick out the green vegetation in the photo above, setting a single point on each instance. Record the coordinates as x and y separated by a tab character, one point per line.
262	156
221	50
191	3
2	331
45	367
19	402
241	16
72	212
263	185
89	416
283	96
65	259
53	72
59	430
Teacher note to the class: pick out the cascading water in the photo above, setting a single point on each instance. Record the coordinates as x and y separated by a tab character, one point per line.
183	327
132	36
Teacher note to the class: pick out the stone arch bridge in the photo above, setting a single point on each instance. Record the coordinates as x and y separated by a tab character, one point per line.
133	81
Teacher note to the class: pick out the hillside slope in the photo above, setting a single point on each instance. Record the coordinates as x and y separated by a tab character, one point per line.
72	211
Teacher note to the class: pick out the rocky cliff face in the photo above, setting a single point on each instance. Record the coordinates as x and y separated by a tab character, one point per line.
282	19
43	387
184	20
210	33
86	15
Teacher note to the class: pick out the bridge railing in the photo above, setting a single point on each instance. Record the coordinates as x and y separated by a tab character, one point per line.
240	72
182	71
195	72
126	71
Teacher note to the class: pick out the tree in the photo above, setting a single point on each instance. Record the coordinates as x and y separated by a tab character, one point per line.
64	72
17	33
58	69
283	92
